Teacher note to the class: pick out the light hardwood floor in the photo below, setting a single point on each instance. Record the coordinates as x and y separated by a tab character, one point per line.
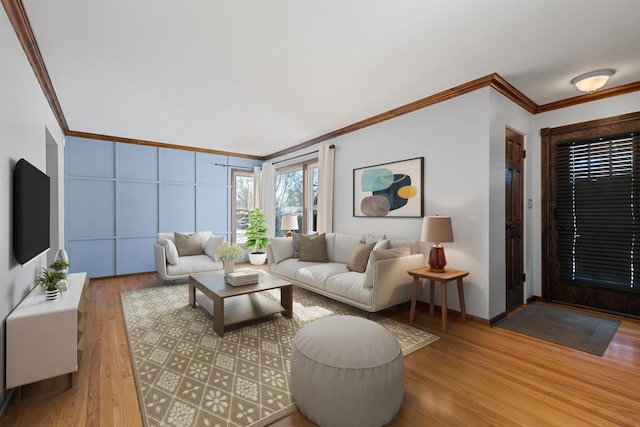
474	376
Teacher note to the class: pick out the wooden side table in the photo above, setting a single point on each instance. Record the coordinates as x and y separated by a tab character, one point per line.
448	276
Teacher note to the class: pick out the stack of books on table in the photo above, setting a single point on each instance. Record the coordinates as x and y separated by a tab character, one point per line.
242	277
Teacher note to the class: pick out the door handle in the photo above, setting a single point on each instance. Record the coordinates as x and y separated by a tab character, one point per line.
509	226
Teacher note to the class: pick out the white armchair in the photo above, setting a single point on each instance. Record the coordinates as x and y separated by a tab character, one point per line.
172	267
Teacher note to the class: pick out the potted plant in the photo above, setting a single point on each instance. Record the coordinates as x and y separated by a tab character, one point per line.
256	234
49	280
228	253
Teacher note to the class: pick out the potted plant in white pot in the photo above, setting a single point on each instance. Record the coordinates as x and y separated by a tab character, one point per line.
228	253
256	234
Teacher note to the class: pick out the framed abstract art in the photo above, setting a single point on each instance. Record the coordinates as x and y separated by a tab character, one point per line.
389	189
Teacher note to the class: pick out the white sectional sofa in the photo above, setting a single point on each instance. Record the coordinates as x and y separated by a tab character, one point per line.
171	266
383	283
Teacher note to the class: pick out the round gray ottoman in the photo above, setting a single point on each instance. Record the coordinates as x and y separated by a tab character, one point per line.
347	371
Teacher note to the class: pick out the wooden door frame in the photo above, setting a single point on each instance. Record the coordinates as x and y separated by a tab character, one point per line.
549	137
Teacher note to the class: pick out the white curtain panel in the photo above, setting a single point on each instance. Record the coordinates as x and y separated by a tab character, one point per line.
257	185
268	196
325	188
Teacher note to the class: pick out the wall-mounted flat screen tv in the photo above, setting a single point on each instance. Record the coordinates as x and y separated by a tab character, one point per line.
31	197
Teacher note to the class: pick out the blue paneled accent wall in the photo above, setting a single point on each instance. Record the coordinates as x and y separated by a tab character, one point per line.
119	196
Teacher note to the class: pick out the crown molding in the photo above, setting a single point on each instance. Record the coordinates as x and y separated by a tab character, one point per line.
492	80
157	144
22	27
588	97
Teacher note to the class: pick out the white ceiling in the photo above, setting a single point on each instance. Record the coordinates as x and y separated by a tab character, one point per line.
258	76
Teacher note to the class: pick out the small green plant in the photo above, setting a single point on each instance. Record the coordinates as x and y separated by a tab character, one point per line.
49	280
229	252
59	265
256	232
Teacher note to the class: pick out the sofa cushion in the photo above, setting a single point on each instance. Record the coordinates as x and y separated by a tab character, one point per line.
170	251
349	285
372	238
413	244
188	244
296	245
359	257
282	248
392	253
313	248
193	264
384	254
368	272
204	237
289	267
212	244
343	245
317	274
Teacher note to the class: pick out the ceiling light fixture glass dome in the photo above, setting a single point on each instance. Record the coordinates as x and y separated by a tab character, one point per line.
593	80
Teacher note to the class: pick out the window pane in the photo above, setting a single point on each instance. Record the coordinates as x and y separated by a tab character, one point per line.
243	186
313	203
289	186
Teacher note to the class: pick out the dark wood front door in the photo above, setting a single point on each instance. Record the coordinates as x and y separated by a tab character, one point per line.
514	172
591	218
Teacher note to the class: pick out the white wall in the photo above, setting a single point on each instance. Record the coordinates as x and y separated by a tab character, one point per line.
462	141
506	114
453	138
25	117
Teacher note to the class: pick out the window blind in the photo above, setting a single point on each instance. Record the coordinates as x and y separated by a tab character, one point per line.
597	212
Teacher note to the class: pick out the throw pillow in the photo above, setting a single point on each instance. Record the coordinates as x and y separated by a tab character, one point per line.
382	252
188	244
282	248
296	245
313	248
381	244
170	251
360	256
212	244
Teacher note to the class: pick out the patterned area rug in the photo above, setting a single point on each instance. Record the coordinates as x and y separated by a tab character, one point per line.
188	376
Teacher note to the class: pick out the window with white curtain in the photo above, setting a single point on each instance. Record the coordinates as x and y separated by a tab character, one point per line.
297	194
242	203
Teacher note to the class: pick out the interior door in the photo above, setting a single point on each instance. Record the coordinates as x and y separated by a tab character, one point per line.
514	189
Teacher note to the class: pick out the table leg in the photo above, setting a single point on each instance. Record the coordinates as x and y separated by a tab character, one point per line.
443	292
218	315
192	295
414	297
461	298
286	300
432	295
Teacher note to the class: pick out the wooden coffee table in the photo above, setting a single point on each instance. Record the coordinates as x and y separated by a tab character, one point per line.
230	305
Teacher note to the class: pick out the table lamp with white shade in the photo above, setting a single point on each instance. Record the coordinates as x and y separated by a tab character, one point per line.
289	223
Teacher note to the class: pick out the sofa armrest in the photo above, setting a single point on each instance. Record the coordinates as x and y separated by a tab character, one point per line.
269	256
391	274
160	258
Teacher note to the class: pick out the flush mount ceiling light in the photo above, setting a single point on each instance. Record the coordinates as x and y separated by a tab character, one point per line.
592	81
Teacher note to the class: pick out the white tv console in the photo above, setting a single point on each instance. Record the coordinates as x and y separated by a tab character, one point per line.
45	338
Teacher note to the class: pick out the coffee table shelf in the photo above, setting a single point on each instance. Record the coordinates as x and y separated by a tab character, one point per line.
241	308
230	305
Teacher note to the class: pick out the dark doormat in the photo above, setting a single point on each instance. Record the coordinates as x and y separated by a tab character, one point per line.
591	334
